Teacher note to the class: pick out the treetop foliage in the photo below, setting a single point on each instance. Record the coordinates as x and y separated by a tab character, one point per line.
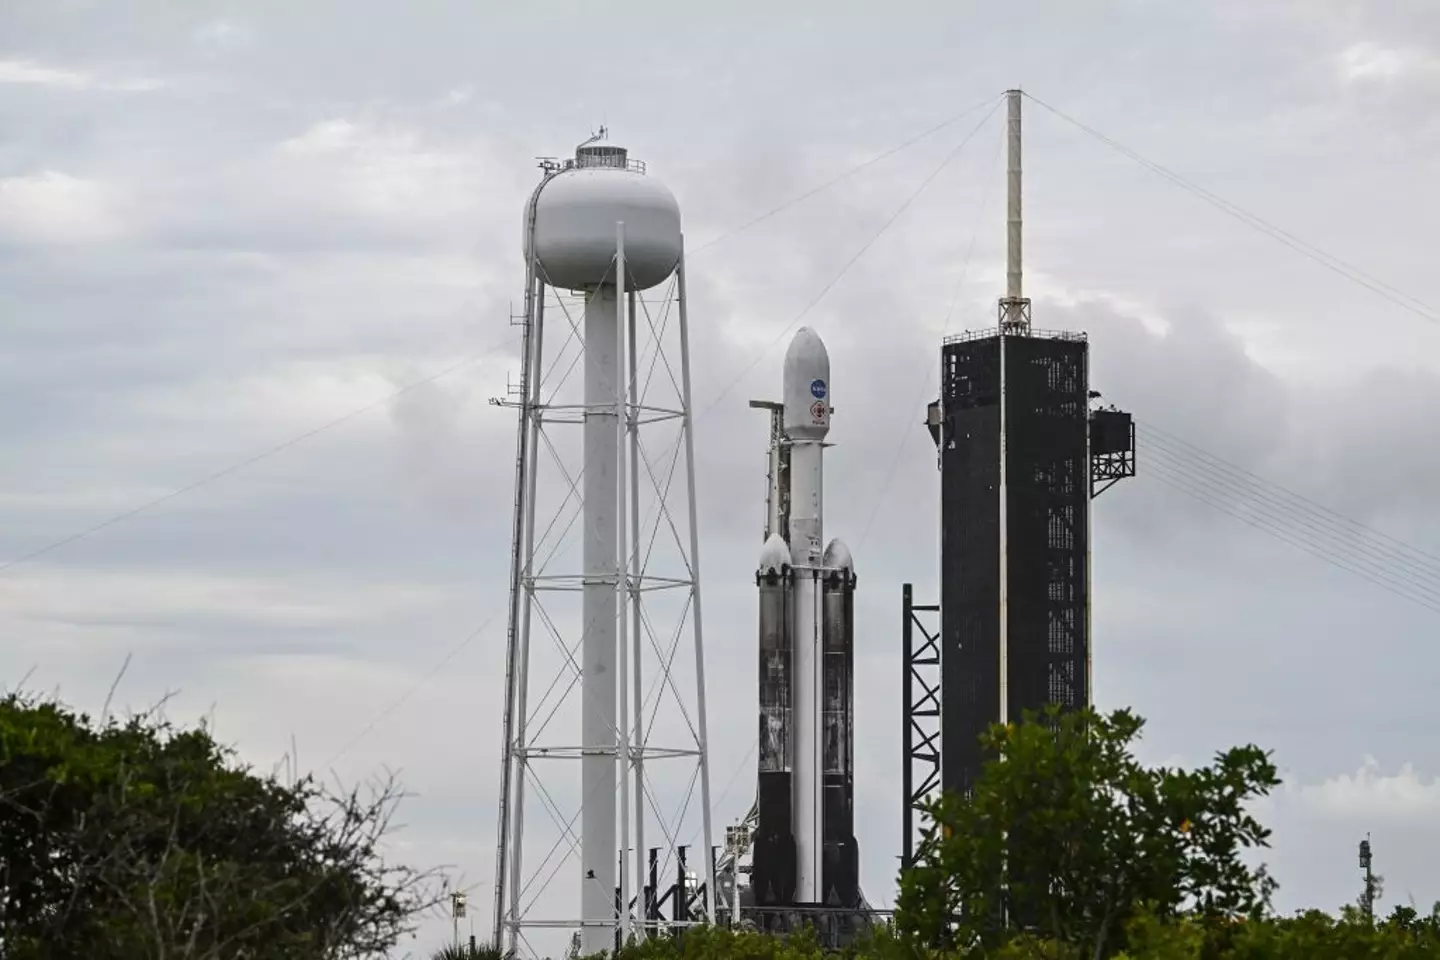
1068	848
136	839
1068	836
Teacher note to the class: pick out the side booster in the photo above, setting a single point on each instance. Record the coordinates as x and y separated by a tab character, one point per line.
773	872
804	846
841	854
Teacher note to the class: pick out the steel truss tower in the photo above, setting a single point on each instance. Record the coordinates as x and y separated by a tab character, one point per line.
605	635
1021	456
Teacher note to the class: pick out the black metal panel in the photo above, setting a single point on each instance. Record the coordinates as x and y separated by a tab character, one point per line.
1047	480
969	554
1055	457
1047	488
1111	431
1112	448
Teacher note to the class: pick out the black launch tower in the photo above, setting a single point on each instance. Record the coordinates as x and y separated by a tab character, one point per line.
1021	454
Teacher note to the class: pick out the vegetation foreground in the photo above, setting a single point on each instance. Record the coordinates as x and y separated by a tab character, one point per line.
135	839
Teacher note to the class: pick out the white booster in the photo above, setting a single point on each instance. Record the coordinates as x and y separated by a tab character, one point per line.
806	396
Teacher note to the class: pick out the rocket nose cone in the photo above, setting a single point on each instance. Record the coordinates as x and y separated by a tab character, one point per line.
837	556
806	352
806	386
775	555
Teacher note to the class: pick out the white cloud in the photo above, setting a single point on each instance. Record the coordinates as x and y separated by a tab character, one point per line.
1318	825
1371	793
38	74
130	597
385	170
55	207
458	96
1370	61
28	71
223	36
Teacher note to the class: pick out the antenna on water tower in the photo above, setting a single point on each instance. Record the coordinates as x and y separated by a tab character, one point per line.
597	230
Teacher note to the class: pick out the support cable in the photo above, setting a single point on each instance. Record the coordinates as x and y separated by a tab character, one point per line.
846	175
1333	263
927	379
1295	520
1332	517
915	195
250	461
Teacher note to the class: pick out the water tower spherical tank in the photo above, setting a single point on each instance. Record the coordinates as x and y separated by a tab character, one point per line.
575	215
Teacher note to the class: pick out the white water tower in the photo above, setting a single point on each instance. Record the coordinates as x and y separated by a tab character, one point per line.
598	230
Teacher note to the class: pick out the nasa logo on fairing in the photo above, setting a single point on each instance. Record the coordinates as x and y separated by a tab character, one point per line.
817	389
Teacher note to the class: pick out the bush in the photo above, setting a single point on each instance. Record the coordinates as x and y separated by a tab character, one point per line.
137	839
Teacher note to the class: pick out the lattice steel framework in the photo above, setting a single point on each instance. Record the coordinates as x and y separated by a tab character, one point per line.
659	740
920	706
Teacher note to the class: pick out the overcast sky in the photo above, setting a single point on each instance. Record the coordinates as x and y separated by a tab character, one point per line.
223	225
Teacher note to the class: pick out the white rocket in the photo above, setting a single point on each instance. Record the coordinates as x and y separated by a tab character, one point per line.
804	849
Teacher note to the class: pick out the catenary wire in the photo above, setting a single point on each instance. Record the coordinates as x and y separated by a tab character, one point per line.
949	158
414	688
843	176
1294	519
927	379
1181	482
1424	557
1333	263
1318	519
1297	532
1360	549
251	460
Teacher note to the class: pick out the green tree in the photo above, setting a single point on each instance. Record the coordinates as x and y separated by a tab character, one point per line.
716	943
138	839
1068	837
467	951
1314	935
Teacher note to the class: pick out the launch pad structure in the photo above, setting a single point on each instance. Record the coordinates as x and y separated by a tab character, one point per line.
1022	450
1021	455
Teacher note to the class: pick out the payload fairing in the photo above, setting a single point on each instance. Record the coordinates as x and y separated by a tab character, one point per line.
804	844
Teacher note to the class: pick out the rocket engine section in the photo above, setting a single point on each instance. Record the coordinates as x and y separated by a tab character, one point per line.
773	875
841	870
804	851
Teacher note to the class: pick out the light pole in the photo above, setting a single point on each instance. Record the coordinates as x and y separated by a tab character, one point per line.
457	910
